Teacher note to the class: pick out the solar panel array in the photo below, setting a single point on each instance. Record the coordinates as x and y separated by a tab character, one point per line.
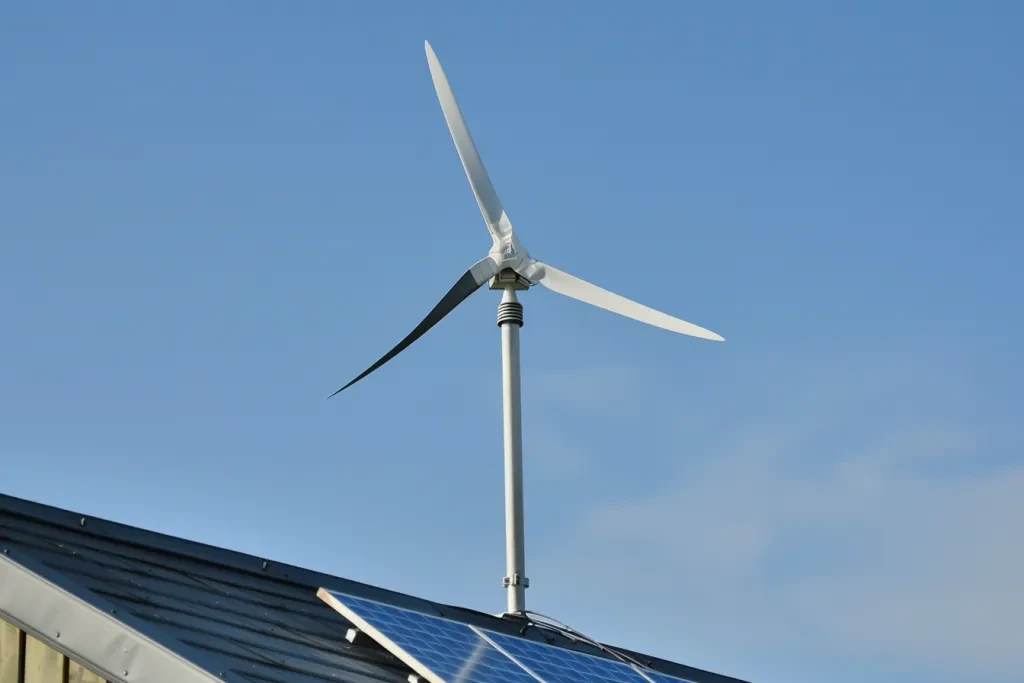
445	651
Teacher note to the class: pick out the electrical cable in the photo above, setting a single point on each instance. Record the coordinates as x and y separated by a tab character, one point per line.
567	631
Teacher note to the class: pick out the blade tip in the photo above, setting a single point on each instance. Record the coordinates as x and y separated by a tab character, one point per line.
339	391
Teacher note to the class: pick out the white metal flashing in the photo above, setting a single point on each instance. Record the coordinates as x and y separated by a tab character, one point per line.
90	631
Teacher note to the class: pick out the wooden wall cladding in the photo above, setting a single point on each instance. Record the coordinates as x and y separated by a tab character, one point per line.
23	659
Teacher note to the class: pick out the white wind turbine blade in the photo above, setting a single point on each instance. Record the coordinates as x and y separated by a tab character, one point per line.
490	206
571	286
479	273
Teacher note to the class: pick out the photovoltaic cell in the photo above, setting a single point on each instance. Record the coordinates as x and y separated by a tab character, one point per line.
452	652
446	651
558	665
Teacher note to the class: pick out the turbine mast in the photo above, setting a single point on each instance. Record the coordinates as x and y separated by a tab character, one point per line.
510	319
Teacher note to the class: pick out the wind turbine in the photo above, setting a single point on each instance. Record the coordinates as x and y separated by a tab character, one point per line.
509	267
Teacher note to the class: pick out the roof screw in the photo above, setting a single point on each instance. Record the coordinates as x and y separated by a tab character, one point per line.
81	522
265	564
6	551
58	634
125	672
113	611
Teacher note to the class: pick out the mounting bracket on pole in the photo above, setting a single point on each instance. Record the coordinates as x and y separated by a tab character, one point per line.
515	580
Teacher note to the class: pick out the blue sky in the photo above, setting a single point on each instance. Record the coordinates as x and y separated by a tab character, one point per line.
212	217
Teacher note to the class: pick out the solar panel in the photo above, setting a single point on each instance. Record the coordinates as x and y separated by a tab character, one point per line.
445	651
438	649
558	665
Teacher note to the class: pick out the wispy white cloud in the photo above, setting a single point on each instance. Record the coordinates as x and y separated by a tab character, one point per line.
855	514
945	576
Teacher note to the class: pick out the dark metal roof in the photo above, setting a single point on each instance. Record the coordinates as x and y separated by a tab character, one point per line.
231	616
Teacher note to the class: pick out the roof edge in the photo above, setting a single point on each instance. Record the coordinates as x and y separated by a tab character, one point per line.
87	628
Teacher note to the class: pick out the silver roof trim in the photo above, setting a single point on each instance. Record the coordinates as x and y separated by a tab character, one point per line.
91	631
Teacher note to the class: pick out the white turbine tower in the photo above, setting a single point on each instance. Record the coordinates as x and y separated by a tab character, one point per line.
509	267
